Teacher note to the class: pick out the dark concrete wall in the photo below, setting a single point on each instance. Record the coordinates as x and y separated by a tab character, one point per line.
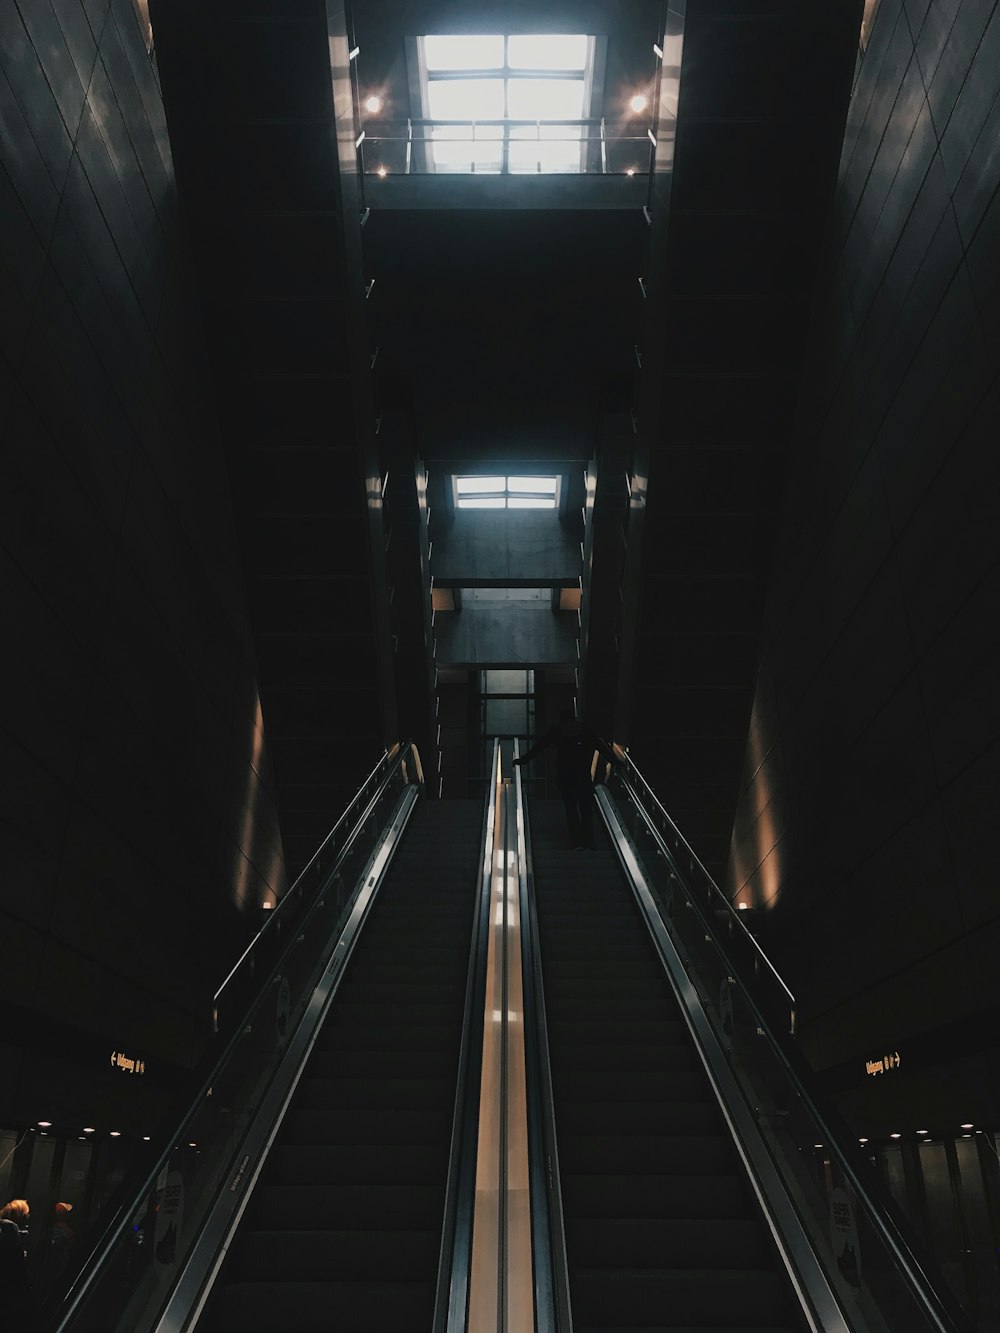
137	823
869	797
480	547
497	626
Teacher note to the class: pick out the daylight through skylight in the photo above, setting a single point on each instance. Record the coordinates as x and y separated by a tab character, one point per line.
503	79
506	492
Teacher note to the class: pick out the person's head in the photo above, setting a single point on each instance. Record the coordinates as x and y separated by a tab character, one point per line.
16	1211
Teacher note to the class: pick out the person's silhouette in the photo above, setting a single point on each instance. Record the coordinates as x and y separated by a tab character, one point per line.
575	745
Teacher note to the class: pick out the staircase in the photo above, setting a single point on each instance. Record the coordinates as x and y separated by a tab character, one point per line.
343	1231
663	1234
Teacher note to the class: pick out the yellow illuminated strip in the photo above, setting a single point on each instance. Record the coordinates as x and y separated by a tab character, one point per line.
501	1291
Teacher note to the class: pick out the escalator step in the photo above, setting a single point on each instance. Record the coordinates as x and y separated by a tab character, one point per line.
591	1116
319	1307
377	1124
401	1163
744	1298
613	1195
304	1256
647	1154
675	1243
320	1093
341	1207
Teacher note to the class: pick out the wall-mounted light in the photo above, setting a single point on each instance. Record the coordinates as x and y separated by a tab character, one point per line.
638	103
373	104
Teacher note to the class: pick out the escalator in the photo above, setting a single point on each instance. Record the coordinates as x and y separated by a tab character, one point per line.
662	1231
467	1078
343	1230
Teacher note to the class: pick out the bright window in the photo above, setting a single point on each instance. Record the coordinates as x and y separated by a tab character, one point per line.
506	492
507	79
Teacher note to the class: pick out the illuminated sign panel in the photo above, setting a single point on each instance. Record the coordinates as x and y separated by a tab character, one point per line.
883	1065
128	1064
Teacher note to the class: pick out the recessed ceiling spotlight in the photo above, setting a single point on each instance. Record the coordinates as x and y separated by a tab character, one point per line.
47	1124
895	1136
373	104
817	1145
964	1126
862	1140
145	1138
116	1133
638	103
89	1129
922	1131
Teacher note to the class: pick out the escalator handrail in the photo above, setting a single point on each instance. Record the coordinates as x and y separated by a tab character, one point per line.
131	1200
940	1306
455	1262
648	796
390	761
547	1228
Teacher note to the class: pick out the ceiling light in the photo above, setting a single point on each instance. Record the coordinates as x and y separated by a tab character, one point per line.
374	104
89	1129
116	1133
922	1131
145	1138
638	103
817	1145
744	907
895	1136
47	1124
964	1126
862	1140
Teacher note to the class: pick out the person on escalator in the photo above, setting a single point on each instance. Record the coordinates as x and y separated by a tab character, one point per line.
575	745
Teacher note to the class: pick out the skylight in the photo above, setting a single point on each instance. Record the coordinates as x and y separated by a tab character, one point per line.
506	492
504	79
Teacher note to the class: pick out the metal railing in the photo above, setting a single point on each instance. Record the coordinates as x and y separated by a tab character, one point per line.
503	146
129	1268
283	918
643	811
883	1279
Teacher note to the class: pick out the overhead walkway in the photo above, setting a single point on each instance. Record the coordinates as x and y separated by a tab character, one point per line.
468	1080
